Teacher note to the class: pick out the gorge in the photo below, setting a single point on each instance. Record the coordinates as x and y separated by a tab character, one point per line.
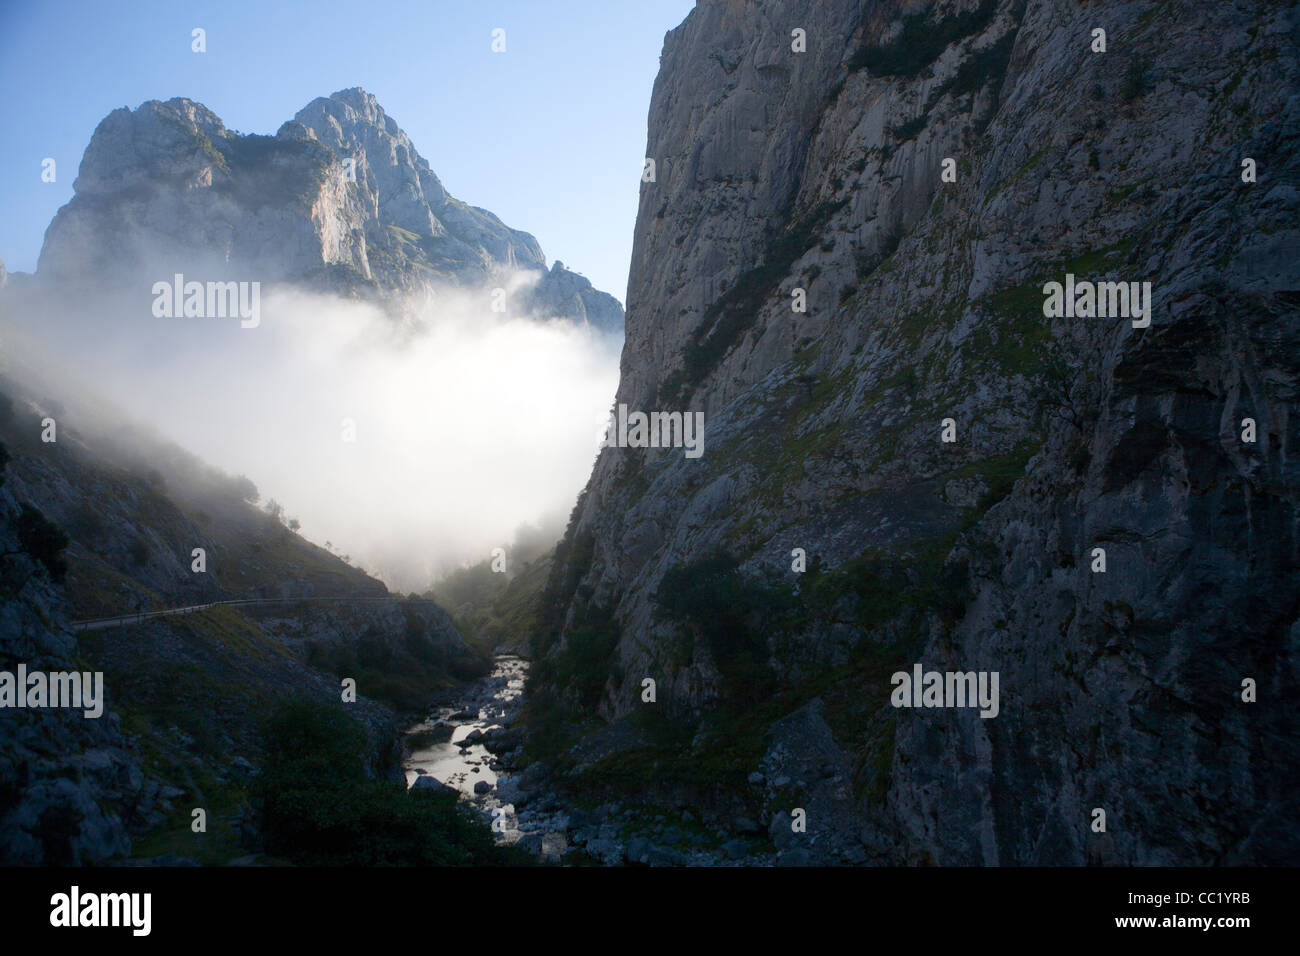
861	232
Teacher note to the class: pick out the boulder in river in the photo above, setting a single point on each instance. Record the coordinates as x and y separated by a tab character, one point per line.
502	739
482	787
509	791
425	782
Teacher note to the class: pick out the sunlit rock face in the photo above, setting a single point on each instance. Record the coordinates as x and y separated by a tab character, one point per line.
822	173
337	199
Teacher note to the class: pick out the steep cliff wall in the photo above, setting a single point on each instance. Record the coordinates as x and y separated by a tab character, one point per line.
823	171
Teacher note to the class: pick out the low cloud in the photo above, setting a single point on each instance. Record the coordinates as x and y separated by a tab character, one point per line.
465	423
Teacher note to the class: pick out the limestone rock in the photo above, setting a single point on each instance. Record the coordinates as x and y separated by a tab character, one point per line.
822	171
338	200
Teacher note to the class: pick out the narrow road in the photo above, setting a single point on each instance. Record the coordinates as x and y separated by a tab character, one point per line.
124	619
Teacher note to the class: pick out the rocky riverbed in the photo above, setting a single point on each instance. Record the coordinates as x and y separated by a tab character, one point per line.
472	745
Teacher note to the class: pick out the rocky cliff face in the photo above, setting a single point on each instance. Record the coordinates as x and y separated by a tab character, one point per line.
71	788
820	174
338	199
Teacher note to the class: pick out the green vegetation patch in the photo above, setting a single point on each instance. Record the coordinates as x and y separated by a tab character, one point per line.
267	170
319	807
981	68
1019	339
731	614
490	609
734	312
921	42
571	664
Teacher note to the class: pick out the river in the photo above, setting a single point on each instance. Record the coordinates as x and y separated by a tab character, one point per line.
487	707
522	808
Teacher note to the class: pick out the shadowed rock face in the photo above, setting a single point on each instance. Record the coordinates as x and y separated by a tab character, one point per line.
70	787
821	171
338	199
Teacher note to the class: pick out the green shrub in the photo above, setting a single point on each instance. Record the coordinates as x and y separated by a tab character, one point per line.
269	170
920	42
319	807
43	540
573	557
909	129
579	670
373	651
985	66
732	614
732	314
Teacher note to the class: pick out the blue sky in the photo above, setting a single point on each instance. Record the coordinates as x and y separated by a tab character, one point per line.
549	135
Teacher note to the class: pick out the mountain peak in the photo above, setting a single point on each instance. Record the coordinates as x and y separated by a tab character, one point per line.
352	106
338	198
359	99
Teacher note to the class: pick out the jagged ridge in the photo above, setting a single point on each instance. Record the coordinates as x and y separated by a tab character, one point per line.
338	199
